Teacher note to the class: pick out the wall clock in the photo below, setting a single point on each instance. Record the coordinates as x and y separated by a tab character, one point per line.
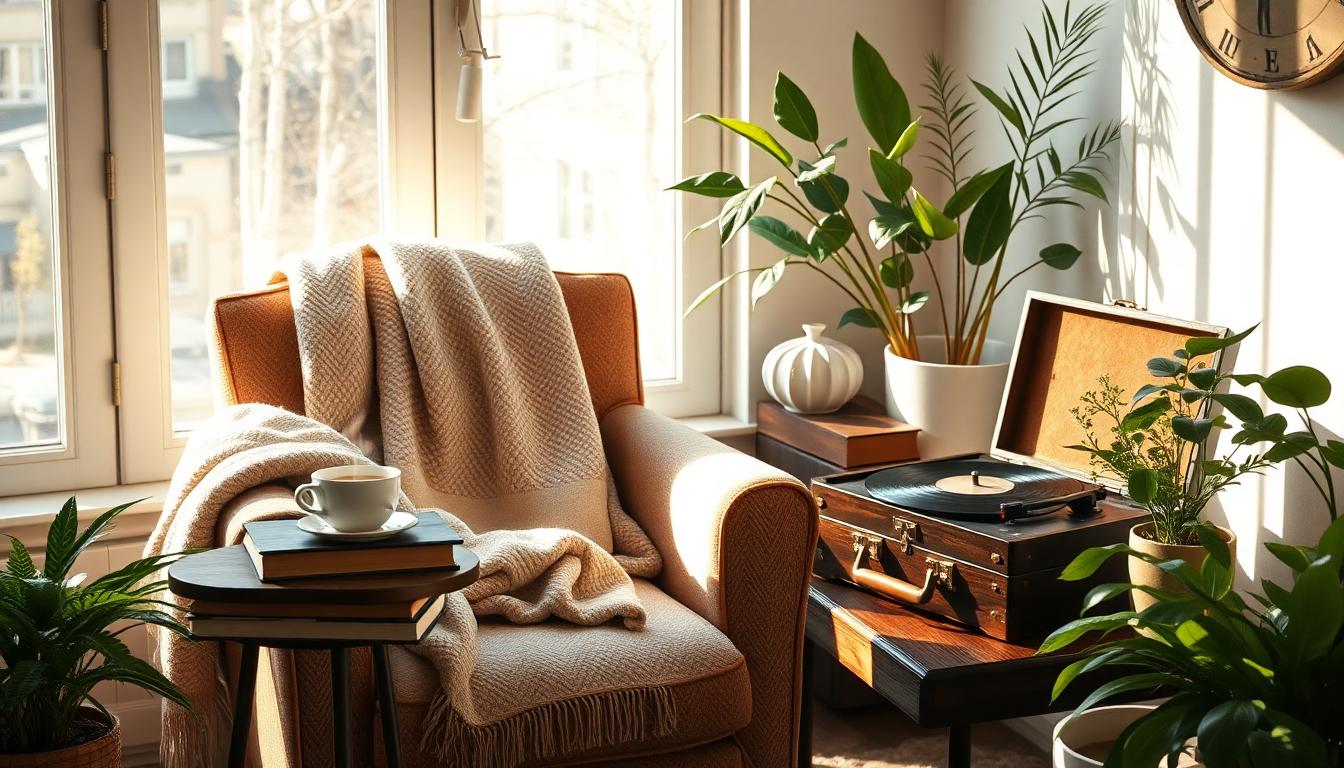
1276	44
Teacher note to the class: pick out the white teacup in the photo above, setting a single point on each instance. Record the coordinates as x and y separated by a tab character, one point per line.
351	498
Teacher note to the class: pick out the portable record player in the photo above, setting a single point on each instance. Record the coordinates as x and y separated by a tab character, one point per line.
982	539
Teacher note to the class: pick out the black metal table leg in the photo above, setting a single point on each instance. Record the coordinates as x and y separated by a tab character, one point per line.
959	746
242	705
805	721
382	672
340	706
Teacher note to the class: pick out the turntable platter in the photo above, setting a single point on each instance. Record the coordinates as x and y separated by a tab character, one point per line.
971	488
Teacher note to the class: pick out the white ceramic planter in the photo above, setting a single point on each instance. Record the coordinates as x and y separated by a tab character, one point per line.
812	373
955	406
1082	741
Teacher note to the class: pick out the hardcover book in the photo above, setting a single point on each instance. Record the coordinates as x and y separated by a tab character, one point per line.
859	434
403	630
280	550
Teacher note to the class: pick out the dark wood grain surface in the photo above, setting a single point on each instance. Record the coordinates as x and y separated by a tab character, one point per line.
937	672
859	434
226	575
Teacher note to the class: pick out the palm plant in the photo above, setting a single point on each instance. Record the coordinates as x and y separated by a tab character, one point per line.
56	635
878	272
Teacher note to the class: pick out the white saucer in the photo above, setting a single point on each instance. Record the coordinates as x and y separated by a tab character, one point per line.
398	522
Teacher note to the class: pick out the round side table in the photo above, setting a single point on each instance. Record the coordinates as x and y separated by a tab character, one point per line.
226	575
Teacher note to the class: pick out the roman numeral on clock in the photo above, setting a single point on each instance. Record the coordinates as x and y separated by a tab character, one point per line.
1314	51
1229	44
1203	5
1272	60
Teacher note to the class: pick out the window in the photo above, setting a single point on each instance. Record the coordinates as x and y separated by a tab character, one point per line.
605	112
23	73
53	259
179	255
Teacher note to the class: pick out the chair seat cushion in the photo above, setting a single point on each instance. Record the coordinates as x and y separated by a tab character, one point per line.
702	670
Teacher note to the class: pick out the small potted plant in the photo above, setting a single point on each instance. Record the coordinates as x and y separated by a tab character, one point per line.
1253	678
1157	443
949	383
58	641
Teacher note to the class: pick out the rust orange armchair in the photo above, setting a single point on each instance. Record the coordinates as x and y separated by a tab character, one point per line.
736	535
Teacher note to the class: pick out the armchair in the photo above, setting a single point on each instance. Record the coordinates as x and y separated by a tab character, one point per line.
737	538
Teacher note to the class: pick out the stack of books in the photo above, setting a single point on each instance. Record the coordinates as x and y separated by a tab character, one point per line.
281	552
860	434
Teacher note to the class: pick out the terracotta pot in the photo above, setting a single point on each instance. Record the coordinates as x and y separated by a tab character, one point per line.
1150	575
102	752
1083	741
954	406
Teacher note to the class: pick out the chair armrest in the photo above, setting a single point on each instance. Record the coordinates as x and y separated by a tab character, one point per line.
738	538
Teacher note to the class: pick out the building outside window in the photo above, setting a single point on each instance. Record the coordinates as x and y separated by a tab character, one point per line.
23	73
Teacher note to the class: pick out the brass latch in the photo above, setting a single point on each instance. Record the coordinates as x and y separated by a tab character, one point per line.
907	533
872	545
943	571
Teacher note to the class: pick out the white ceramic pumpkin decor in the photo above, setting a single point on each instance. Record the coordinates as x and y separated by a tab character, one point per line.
813	373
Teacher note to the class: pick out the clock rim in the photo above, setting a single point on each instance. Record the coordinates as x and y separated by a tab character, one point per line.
1316	76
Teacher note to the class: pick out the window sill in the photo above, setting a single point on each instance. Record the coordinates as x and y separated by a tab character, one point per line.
719	426
27	517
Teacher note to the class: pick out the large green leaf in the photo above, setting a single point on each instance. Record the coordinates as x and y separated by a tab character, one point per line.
892	177
1086	563
888	227
1075	630
973	189
751	132
767	280
1085	182
1217	568
1290	445
897	271
793	110
709	292
1141	485
1192	430
779	234
826	193
931	220
20	563
1315	610
859	316
1143	417
1298	386
741	207
1165	367
824	167
1060	256
907	141
987	228
882	104
830	235
1241	406
712	184
914	302
1204	345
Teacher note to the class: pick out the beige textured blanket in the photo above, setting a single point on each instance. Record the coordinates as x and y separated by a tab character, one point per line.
471	384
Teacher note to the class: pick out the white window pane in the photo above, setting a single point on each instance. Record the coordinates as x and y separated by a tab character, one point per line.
30	372
576	154
275	151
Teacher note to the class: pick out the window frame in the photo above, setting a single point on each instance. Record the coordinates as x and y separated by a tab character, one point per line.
697	388
81	275
150	446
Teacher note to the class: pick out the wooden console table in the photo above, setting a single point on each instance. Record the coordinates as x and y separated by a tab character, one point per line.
938	673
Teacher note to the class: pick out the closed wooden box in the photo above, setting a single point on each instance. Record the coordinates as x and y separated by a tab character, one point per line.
1003	577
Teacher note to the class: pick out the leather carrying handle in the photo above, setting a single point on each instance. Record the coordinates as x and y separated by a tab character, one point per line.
890	587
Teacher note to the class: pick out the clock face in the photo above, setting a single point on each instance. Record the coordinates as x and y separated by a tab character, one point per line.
1269	43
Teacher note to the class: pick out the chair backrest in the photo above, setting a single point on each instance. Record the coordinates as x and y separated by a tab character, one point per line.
258	349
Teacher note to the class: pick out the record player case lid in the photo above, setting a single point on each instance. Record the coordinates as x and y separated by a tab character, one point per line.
1063	345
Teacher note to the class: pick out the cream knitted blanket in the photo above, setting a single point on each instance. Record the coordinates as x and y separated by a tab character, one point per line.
471	384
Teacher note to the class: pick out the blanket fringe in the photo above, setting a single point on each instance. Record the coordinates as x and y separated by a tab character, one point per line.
562	727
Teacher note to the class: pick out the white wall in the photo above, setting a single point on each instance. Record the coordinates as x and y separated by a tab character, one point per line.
1233	216
811	43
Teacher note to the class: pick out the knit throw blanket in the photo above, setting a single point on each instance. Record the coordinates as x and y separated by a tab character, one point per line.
471	383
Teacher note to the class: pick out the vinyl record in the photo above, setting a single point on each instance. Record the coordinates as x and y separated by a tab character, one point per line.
967	487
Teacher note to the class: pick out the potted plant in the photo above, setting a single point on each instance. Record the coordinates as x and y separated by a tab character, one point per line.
58	641
949	383
1157	443
1253	679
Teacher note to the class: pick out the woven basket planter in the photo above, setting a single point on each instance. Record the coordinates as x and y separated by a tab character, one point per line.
102	752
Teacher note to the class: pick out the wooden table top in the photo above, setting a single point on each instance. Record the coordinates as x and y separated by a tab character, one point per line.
226	575
938	672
